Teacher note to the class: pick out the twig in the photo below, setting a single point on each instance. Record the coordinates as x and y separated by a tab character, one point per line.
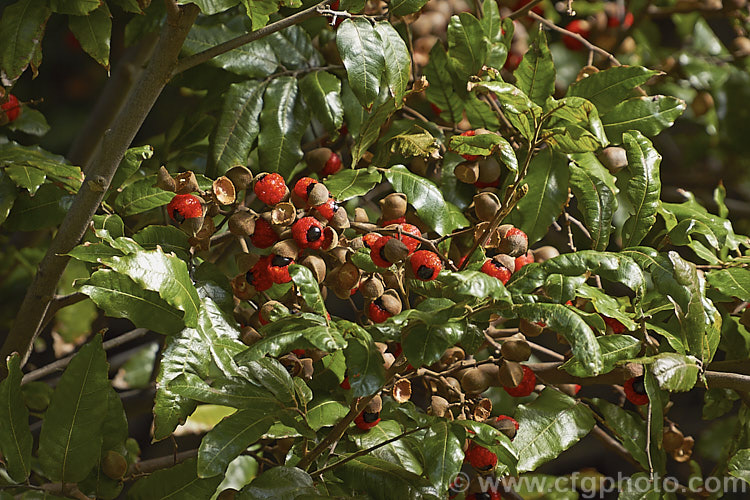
201	57
578	37
524	10
60	302
154	464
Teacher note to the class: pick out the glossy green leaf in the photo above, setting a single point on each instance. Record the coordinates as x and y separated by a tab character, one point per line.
129	165
717	402
427	199
573	126
55	167
140	196
120	297
74	7
8	194
325	413
71	436
272	375
166	274
424	344
441	92
536	73
405	451
739	465
292	45
231	437
496	29
443	453
210	7
235	393
642	187
21	29
253	60
168	238
363	360
629	428
648	115
734	281
282	122
351	183
485	145
548	191
396	58
307	331
180	481
362	53
675	372
15	437
606	305
278	482
522	113
468	284
467	45
46	209
383	480
404	7
237	127
370	128
322	93
93	32
608	88
549	425
416	141
596	193
26	177
220	333
614	348
30	122
308	288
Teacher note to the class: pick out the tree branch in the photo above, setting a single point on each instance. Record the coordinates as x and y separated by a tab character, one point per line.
103	167
201	57
154	464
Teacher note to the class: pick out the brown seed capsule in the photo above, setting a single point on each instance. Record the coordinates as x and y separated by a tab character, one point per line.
292	364
479	230
227	494
283	214
684	452
339	253
482	410
245	261
307	368
672	439
741	47
375	405
393	206
438	406
286	248
224	190
515	348
391	302
241	177
165	181
114	465
486	205
347	275
512	241
402	390
529	328
242	224
467	172
489	170
614	159
452	392
390	280
330	239
268	311
340	219
318	195
474	381
505	426
506	261
192	227
510	374
395	251
186	183
317	158
371	288
452	355
241	288
360	215
249	335
317	265
418	165
545	253
702	103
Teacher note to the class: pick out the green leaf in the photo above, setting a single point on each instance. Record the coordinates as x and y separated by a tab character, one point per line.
717	402
467	284
26	177
15	437
573	126
441	92
351	183
55	167
548	191
467	45
404	7
180	481
614	348
322	92
93	32
166	274
220	333
210	7
396	58
536	73
570	325
46	209
416	141
370	128
675	372
325	413
74	7
549	425
608	88
642	187
427	199
657	401
308	288
734	282
231	437
278	482
235	393
282	122
30	122
21	30
306	331
237	127
140	196
383	480
71	436
252	60
120	297
485	145
518	108
628	426
443	453
739	465
594	188
293	46
272	375
424	344
168	238
648	115
362	53
8	194
363	360
130	163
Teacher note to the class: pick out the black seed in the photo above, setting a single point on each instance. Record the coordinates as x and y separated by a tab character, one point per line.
178	217
638	385
310	187
425	272
379	302
382	253
280	261
314	233
250	277
483	496
370	417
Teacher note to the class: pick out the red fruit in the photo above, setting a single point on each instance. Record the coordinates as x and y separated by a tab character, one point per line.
11	107
258	276
184	206
376	251
303	187
278	269
366	420
513	61
580	27
522	260
333	164
328	209
616	326
496	270
299	352
345	384
485	495
370	238
469	133
308	233
627	22
270	188
426	265
635	391
576	388
506	417
410	243
480	457
435	109
526	386
264	235
482	185
376	312
399	220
